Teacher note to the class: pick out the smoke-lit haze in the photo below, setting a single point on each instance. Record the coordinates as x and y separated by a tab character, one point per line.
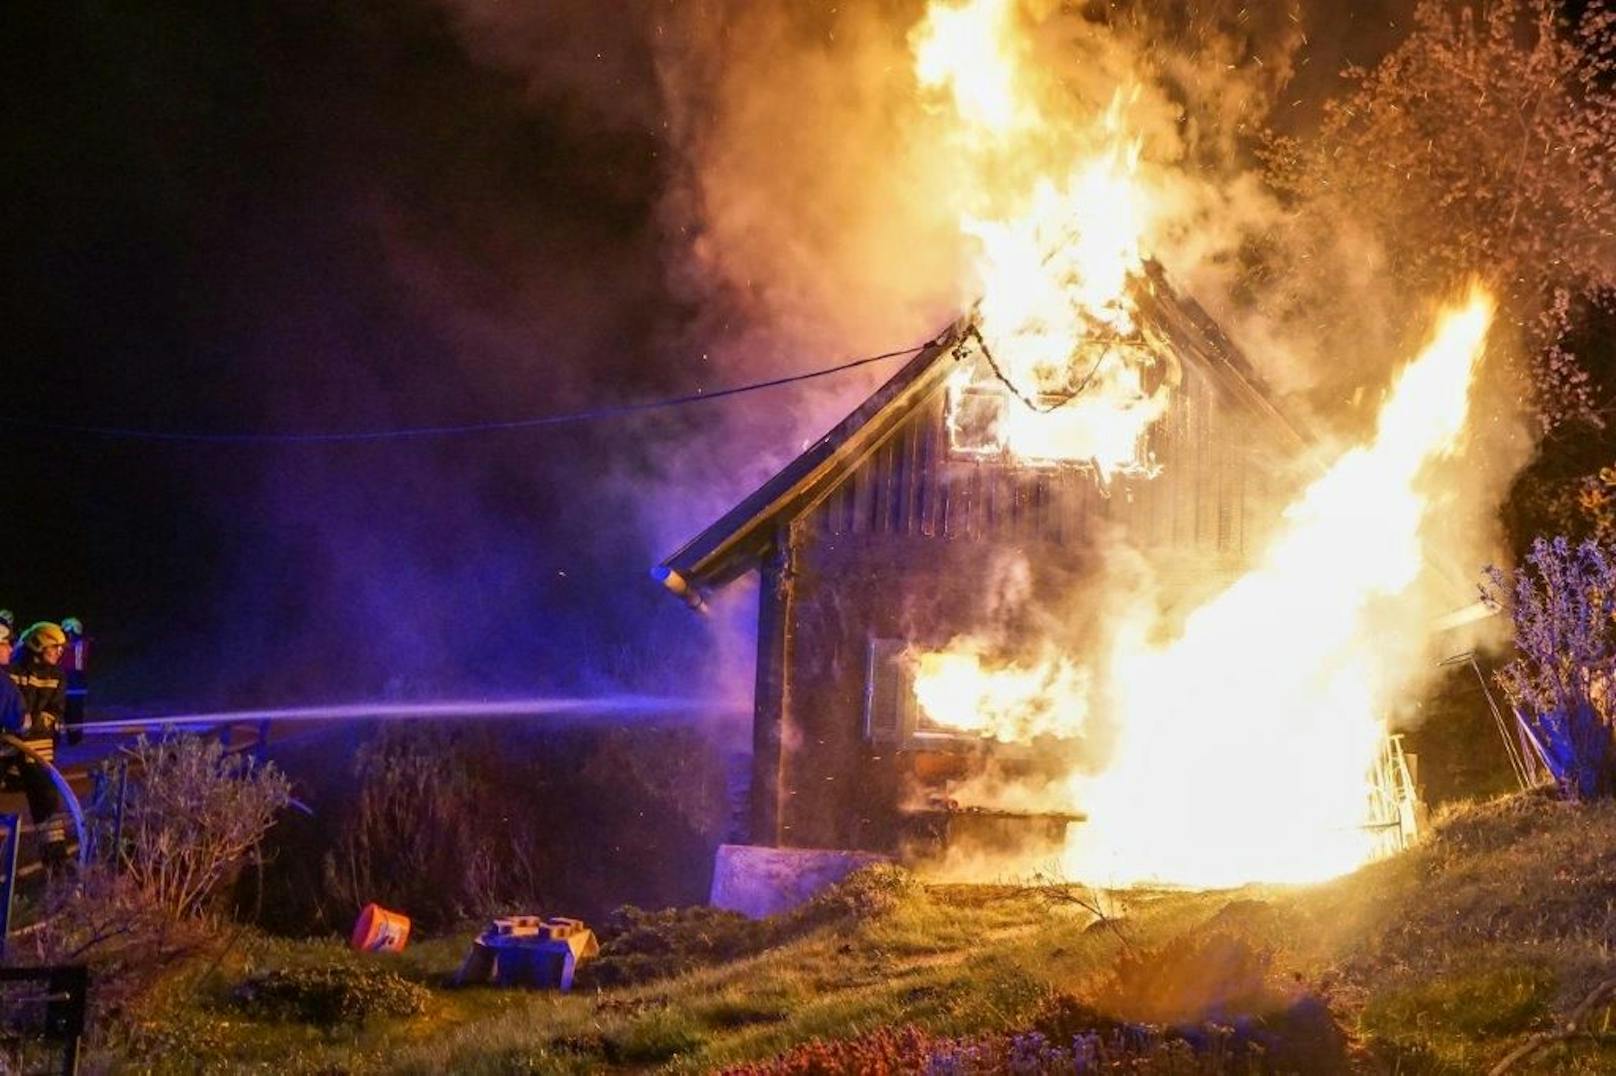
390	214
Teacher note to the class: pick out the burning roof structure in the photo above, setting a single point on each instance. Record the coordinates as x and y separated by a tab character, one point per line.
873	546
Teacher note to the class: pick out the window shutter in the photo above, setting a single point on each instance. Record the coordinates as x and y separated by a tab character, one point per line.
889	697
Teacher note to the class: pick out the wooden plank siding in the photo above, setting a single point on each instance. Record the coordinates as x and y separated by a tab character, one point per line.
896	550
912	486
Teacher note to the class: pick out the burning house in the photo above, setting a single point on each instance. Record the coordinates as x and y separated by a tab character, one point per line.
1059	582
874	546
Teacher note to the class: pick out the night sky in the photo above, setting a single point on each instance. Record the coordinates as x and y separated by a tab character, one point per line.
304	216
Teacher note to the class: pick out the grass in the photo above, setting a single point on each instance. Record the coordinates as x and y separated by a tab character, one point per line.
1436	962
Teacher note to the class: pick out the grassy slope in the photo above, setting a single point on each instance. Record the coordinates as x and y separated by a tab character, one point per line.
1437	961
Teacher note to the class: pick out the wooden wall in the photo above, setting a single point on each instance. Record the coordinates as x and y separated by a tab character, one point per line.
911	486
905	540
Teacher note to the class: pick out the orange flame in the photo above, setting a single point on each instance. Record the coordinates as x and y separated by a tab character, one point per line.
1011	703
1052	274
1244	744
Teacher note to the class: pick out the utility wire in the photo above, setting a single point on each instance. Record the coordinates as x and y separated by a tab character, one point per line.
416	432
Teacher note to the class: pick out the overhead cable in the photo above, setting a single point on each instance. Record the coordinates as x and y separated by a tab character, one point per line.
270	437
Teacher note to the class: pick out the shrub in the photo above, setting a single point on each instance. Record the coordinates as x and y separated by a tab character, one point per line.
135	948
1220	994
637	946
330	994
1563	603
413	839
1190	979
867	893
135	914
190	812
460	819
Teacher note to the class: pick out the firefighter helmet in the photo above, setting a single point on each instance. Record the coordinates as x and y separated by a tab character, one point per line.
72	625
43	634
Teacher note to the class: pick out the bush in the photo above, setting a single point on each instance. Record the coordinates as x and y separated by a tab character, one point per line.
867	893
1221	994
330	994
456	822
1563	603
190	812
133	946
136	913
1190	979
413	839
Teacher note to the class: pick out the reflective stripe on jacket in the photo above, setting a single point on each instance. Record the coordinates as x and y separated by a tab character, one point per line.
43	687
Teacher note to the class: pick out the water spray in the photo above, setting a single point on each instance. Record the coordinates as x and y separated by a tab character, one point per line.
613	708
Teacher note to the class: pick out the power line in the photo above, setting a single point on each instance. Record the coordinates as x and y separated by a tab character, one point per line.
416	432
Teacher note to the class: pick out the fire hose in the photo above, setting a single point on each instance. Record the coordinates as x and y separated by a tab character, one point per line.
63	789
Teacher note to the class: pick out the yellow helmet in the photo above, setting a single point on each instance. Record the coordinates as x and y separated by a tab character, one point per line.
43	634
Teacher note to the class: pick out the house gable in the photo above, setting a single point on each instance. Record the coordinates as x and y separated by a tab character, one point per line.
886	467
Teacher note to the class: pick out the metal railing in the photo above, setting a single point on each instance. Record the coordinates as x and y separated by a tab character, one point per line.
1394	802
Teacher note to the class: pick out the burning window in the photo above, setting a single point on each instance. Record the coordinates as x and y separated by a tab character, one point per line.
889	694
957	696
976	420
1099	418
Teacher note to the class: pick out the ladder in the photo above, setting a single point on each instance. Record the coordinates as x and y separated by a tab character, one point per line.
1394	802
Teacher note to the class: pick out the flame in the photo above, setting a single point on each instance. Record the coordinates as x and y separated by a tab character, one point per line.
1242	743
972	51
1054	262
1245	743
1011	704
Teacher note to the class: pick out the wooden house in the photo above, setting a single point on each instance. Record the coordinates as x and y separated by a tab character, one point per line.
875	537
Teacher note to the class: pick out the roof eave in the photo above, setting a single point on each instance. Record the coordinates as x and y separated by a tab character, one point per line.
732	544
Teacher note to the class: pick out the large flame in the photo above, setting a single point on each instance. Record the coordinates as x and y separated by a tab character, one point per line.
1055	255
1245	744
971	50
960	689
1242	744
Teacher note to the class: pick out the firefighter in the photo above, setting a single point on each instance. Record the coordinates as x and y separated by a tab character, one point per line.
76	662
43	687
13	714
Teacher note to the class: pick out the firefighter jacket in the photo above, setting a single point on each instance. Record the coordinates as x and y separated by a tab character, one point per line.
13	712
44	695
